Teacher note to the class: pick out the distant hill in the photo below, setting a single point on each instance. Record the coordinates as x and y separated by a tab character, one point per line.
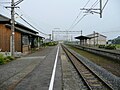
116	40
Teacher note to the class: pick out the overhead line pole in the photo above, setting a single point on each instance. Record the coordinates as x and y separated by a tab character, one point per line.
95	10
12	28
12	37
52	35
100	8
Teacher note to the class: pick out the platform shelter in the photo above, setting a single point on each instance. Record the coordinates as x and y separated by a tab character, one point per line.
83	40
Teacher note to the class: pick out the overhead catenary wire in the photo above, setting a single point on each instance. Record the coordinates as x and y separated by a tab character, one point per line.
105	4
79	20
78	15
92	10
74	24
93	5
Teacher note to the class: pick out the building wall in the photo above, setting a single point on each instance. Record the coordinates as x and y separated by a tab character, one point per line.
23	43
4	38
18	42
5	34
99	39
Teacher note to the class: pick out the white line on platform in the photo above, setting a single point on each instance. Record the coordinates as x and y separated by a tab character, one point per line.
53	73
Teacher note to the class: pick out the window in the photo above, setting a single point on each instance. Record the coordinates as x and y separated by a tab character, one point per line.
25	40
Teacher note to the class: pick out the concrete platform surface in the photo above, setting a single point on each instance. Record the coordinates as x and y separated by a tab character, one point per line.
32	72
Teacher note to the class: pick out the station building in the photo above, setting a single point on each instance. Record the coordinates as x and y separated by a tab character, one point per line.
25	38
92	39
97	39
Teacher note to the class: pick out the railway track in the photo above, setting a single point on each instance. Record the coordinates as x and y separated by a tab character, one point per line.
91	79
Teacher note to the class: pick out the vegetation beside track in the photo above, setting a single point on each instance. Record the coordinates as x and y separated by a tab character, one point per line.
109	64
110	46
53	43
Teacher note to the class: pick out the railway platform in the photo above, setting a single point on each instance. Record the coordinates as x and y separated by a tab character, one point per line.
32	72
47	69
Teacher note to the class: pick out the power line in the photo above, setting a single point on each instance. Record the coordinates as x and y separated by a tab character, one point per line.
94	4
88	10
16	3
93	10
105	4
30	19
78	15
30	24
12	37
79	20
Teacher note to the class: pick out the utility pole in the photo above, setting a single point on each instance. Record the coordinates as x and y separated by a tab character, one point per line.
97	38
12	28
12	37
100	8
52	35
96	10
67	35
94	38
81	32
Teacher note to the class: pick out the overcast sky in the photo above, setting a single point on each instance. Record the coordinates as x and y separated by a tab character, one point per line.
50	14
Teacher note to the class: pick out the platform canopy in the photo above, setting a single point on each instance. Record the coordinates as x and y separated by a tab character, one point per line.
82	37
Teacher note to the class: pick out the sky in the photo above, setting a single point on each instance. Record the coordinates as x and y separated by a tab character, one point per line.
47	15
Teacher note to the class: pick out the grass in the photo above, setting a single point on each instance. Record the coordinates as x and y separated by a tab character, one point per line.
107	63
117	46
4	60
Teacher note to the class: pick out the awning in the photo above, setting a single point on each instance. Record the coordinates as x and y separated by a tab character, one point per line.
82	37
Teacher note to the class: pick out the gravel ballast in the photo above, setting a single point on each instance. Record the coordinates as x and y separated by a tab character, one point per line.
111	79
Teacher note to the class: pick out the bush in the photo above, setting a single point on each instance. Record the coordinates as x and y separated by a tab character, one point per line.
10	58
117	45
101	46
2	61
110	47
50	44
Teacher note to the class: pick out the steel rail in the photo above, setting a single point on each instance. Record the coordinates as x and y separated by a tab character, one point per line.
91	79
